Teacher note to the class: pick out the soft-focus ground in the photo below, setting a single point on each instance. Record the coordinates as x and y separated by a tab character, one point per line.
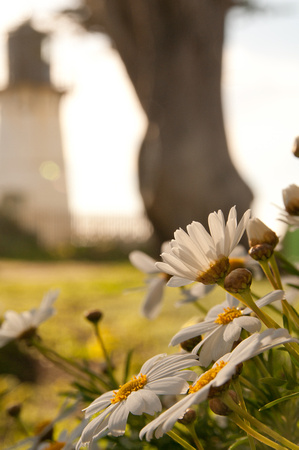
110	287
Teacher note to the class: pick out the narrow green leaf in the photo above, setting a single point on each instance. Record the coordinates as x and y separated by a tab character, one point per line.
279	400
243	440
286	323
272	381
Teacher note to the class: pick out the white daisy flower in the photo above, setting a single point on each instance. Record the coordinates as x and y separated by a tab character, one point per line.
223	325
221	373
152	302
200	256
238	258
24	324
160	375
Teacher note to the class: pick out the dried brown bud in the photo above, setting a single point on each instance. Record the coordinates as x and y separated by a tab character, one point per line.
188	417
295	148
261	252
220	408
259	233
94	315
189	344
238	281
14	410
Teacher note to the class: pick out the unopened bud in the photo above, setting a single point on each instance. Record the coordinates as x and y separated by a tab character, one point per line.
259	233
189	344
291	199
219	407
216	391
295	148
238	281
14	410
94	316
188	417
261	252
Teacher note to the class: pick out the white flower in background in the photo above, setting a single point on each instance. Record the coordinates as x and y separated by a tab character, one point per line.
65	439
223	325
200	256
221	373
152	302
160	375
24	324
291	202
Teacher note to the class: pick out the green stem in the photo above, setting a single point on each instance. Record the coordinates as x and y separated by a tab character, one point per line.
250	431
106	355
266	268
264	371
239	392
197	442
259	425
180	440
68	365
252	387
290	312
275	270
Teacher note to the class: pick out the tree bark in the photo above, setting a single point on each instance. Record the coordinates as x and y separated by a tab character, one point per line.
172	50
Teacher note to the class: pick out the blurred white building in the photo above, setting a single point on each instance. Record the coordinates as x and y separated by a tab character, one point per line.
32	171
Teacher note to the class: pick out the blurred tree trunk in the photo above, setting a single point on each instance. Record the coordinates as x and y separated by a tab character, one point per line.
172	50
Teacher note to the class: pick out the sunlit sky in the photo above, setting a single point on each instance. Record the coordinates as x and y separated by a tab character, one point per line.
102	122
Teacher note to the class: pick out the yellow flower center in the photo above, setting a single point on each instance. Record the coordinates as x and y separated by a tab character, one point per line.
228	315
216	272
207	377
125	390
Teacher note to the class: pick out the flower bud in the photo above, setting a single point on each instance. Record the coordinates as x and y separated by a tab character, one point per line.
295	148
259	233
291	199
188	417
14	410
94	316
261	252
189	344
238	281
220	408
